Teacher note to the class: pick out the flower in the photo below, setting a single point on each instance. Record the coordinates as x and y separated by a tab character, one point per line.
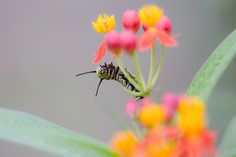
104	23
128	41
191	119
150	14
170	103
184	136
130	20
124	142
147	39
113	41
151	115
132	108
164	24
156	26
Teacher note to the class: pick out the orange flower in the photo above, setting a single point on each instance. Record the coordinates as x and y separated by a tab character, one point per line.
191	116
124	143
151	115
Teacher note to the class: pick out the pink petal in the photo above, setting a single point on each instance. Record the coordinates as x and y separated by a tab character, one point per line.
146	40
166	39
100	53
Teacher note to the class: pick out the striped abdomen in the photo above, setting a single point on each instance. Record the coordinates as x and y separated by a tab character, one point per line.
111	72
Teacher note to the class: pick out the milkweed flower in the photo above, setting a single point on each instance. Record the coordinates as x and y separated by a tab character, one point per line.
113	41
164	24
151	115
104	24
132	108
150	14
128	41
153	20
124	142
186	135
130	20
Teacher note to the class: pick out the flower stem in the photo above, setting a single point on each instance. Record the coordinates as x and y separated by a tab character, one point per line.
159	67
138	70
152	65
127	75
136	128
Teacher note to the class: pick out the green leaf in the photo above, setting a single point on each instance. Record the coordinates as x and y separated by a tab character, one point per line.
23	128
207	77
227	147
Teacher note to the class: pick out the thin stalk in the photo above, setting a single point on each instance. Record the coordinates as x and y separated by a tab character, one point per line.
116	118
136	129
152	65
127	75
138	70
159	67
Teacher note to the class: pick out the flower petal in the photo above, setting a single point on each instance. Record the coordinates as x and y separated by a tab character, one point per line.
146	40
100	53
166	39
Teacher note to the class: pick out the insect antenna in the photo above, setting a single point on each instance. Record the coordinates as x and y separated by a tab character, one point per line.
85	73
98	87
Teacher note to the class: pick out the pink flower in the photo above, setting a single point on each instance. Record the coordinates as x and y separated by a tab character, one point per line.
164	24
128	41
132	108
147	39
113	42
130	20
170	102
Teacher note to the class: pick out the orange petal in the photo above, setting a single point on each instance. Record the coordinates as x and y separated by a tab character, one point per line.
166	39
146	40
100	53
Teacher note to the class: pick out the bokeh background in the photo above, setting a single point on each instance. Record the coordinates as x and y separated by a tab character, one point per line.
44	43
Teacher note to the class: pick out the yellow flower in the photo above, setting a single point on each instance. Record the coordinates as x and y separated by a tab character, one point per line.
124	143
191	116
161	149
151	115
104	23
150	14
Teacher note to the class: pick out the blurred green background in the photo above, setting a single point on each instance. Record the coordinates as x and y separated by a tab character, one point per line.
45	43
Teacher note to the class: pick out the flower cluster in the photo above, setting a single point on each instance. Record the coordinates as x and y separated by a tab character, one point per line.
175	128
154	24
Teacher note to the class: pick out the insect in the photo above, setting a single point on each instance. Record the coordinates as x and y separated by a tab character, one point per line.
111	72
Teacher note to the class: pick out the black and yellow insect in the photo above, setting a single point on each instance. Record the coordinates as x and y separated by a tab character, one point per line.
111	72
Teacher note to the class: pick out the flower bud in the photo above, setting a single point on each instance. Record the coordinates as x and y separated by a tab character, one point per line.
164	24
132	108
128	41
113	41
130	20
170	102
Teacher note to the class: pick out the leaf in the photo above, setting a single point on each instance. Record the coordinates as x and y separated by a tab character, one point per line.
227	146
23	128
207	77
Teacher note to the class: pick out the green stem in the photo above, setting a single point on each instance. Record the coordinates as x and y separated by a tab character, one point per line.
136	128
138	70
159	68
127	75
152	65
